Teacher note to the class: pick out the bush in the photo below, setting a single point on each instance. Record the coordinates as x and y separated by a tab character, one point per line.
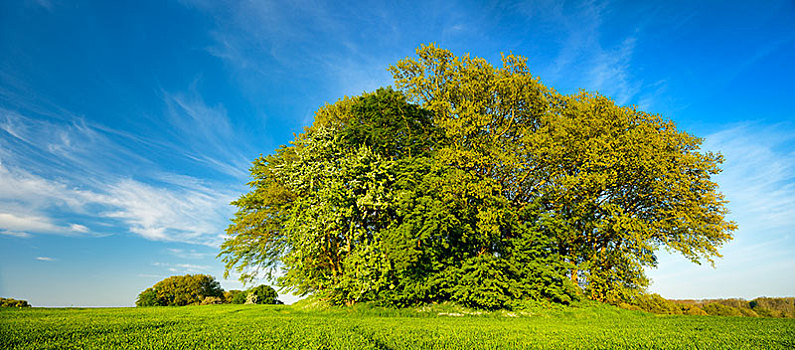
774	307
239	298
692	310
148	298
718	309
235	297
212	300
180	291
264	295
11	302
654	303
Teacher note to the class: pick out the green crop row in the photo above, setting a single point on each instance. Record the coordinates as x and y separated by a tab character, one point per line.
286	327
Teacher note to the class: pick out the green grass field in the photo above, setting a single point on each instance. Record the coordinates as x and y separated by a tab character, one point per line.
288	327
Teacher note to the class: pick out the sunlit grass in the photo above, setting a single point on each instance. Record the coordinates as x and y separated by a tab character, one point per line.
365	327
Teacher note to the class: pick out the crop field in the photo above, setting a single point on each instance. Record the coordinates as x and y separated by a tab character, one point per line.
288	327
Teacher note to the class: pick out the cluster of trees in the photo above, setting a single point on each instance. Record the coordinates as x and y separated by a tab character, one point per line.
201	290
11	302
759	307
261	294
479	185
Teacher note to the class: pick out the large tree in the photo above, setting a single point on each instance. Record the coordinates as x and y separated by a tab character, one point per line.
479	185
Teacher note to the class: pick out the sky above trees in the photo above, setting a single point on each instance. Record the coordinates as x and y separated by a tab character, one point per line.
126	128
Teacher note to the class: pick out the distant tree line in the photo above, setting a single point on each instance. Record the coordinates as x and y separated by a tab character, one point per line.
11	302
202	290
759	307
478	185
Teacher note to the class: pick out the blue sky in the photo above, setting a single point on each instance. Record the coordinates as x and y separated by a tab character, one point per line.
127	127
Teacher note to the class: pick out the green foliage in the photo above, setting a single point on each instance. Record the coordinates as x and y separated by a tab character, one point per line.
759	307
180	291
774	307
718	309
235	297
612	184
11	302
264	294
654	303
441	326
476	184
692	310
149	298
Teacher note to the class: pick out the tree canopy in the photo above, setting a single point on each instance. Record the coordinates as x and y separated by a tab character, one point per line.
264	294
180	291
476	184
11	302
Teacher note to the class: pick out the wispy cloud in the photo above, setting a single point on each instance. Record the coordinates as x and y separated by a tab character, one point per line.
190	212
188	254
69	148
37	224
44	258
758	180
584	59
759	176
279	43
72	178
15	234
196	215
183	268
204	133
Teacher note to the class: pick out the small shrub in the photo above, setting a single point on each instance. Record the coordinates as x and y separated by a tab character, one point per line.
774	307
265	294
692	310
148	298
11	302
239	298
654	303
212	300
718	309
627	306
235	297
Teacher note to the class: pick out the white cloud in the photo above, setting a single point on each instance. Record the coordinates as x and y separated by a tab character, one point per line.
177	214
21	186
44	258
20	225
13	222
15	234
78	228
68	177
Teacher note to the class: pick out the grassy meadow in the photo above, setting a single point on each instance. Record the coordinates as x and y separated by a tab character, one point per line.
587	326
